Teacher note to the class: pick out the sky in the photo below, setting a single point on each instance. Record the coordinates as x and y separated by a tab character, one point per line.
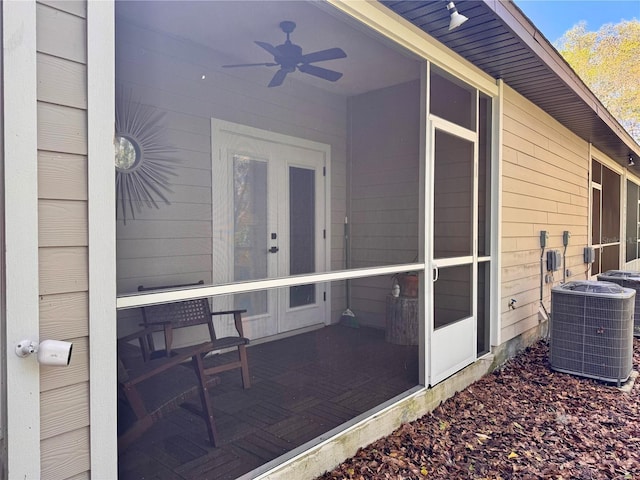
554	17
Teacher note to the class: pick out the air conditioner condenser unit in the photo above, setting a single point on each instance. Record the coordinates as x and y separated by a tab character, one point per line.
591	332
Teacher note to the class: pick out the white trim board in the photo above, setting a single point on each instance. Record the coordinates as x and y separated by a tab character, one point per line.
102	235
22	375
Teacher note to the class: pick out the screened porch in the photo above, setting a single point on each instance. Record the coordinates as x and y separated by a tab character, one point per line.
271	159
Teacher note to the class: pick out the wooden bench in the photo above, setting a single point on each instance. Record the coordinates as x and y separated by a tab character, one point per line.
191	313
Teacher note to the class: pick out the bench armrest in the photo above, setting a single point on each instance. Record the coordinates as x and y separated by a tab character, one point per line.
142	337
237	319
152	327
160	365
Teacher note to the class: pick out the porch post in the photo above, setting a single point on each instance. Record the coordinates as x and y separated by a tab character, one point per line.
21	375
102	238
496	218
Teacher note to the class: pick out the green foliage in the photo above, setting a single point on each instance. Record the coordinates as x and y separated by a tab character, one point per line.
608	61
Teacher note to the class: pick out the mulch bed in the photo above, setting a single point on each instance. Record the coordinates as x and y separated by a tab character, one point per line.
523	421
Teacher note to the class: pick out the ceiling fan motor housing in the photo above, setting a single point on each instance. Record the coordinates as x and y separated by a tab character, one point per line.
290	55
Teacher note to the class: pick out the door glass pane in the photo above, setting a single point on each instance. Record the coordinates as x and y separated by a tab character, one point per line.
250	229
302	232
453	196
452	295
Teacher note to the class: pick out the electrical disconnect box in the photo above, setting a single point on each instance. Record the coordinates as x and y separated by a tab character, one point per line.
589	255
554	260
544	238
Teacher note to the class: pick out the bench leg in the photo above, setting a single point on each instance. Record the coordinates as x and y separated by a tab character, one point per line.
246	379
207	408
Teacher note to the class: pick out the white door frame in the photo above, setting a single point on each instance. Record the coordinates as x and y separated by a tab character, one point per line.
220	195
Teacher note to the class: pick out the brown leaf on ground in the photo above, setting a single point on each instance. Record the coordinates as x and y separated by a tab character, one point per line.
523	421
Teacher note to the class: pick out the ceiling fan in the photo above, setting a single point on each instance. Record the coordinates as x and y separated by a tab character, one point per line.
289	57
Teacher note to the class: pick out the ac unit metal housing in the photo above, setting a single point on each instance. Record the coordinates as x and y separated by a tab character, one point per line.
628	280
591	332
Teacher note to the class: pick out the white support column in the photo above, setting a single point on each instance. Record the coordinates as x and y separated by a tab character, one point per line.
496	217
102	238
424	241
22	375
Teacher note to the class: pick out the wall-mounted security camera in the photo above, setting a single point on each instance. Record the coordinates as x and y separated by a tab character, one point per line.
50	352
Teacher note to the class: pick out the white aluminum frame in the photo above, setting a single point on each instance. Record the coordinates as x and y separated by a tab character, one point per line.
437	123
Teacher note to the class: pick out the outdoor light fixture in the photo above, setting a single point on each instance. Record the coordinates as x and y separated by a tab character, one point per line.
457	19
631	162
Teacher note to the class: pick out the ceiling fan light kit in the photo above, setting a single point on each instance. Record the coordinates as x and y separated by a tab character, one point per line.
290	58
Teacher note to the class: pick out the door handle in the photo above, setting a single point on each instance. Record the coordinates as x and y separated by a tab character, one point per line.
273	250
436	272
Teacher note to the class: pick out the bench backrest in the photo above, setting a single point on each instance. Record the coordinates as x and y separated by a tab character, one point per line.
180	314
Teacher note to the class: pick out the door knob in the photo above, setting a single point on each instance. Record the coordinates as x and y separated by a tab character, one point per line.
273	250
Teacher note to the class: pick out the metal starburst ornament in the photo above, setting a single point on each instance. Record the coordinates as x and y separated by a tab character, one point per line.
143	158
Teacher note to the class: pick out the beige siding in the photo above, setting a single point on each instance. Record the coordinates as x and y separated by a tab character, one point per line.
385	142
61	34
62	211
62	176
56	404
66	456
172	244
544	187
61	81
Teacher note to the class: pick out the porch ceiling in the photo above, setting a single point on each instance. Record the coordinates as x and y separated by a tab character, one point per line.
502	41
498	38
226	30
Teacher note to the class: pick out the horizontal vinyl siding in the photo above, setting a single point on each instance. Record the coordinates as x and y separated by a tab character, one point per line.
62	225
544	187
385	141
172	244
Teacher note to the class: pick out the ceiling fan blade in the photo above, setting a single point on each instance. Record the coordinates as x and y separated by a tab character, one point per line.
325	73
250	65
322	55
269	48
278	78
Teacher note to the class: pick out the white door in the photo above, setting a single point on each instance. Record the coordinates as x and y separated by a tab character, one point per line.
270	213
454	259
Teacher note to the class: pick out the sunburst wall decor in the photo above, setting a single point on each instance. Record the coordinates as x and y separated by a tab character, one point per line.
143	157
